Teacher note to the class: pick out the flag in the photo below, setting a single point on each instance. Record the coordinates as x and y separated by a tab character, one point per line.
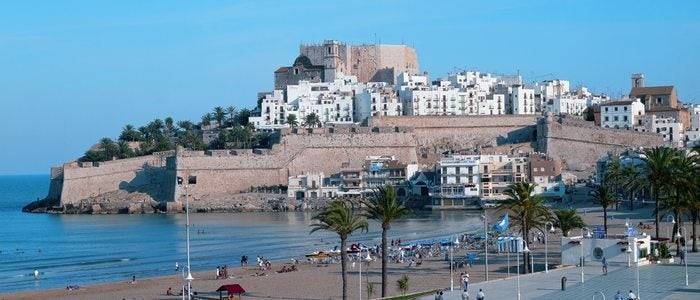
502	226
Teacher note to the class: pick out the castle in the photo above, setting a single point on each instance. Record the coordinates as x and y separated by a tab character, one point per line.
369	63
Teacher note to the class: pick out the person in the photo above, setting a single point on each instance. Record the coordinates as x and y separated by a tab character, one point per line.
36	274
177	267
437	295
465	281
169	292
440	296
480	295
218	272
133	279
605	266
618	296
631	296
465	295
682	256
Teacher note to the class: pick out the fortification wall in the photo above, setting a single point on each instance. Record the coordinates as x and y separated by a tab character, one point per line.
139	174
580	144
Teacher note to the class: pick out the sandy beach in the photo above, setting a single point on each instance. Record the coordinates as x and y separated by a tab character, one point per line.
314	281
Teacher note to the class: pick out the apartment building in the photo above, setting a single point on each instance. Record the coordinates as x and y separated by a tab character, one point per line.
459	183
621	114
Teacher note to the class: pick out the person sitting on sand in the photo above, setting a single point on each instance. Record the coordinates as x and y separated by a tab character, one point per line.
133	279
283	270
293	268
169	292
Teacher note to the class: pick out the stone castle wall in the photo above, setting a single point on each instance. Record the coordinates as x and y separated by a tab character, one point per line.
579	144
139	174
419	140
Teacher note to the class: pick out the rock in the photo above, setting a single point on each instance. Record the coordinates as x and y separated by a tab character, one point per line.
95	209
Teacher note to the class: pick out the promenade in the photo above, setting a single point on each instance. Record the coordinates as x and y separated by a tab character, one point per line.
655	282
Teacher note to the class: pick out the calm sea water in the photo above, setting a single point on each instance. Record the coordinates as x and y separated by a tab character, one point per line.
84	249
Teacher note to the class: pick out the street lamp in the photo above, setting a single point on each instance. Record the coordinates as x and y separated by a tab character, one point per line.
628	251
673	222
486	246
187	225
525	250
546	261
452	285
588	235
685	251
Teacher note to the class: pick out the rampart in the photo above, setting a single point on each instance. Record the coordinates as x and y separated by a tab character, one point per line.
419	140
580	144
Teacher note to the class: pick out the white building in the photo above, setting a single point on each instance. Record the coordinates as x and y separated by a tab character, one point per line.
521	100
459	176
377	101
332	102
692	136
671	130
493	104
567	104
440	100
613	249
621	114
554	88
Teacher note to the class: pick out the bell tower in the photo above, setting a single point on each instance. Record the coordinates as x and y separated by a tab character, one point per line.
637	80
331	60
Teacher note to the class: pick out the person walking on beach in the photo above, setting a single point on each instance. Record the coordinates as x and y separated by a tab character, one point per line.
177	267
631	296
36	274
218	272
605	266
465	281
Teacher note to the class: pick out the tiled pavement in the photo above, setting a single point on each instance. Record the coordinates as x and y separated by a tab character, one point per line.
656	282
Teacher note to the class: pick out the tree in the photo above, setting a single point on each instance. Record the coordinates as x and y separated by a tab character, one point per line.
528	212
612	178
402	284
243	117
567	219
604	197
292	121
680	200
185	125
130	134
206	120
109	148
231	112
384	208
657	175
340	218
312	120
633	182
169	125
125	150
219	115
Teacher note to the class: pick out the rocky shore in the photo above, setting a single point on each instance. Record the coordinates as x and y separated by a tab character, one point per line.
123	202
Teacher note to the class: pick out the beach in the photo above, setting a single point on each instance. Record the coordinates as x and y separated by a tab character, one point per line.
313	281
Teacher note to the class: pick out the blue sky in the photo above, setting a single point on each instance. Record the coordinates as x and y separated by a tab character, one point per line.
72	72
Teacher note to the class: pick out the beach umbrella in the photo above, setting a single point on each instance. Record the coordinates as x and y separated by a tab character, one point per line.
231	289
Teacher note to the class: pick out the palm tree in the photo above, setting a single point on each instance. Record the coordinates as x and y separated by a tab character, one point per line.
130	134
206	119
613	177
312	120
567	219
292	121
604	197
383	207
632	183
341	219
528	212
231	112
219	115
657	175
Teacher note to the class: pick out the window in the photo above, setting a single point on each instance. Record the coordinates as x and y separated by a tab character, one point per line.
606	109
615	118
615	108
192	180
624	118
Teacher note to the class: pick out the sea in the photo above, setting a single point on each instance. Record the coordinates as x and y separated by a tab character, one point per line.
89	249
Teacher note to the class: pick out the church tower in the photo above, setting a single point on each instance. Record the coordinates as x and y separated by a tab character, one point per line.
637	80
331	60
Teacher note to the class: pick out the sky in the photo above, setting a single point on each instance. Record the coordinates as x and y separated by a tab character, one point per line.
72	72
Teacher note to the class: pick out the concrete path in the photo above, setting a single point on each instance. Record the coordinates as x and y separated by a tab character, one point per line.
656	282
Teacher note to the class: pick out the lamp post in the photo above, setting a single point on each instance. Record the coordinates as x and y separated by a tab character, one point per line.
367	258
189	277
588	235
486	246
546	260
637	269
685	251
525	250
673	222
452	284
628	251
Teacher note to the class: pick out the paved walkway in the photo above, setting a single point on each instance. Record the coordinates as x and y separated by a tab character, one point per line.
656	282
